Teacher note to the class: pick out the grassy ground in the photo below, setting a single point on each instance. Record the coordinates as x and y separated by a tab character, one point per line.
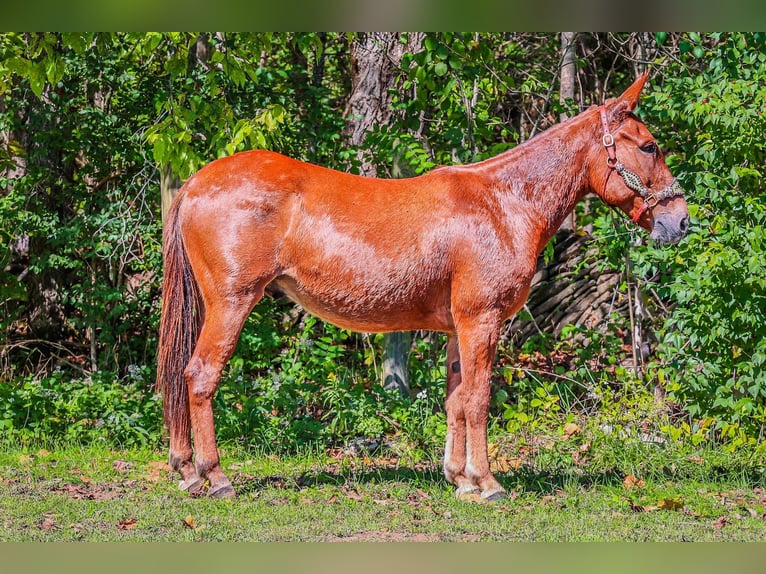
97	494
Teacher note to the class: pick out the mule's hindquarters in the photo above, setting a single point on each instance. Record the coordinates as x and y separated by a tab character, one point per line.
206	300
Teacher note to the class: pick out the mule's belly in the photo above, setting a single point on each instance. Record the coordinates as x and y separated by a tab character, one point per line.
371	309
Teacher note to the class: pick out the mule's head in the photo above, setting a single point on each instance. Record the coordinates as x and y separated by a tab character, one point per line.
630	171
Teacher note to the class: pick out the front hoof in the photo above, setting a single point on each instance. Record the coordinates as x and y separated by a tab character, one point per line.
222	491
495	495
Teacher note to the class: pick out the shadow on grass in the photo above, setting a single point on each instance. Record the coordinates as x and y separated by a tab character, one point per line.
528	480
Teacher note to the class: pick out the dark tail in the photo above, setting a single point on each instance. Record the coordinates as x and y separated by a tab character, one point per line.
180	323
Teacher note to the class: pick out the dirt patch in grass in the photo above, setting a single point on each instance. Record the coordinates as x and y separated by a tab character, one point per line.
384	536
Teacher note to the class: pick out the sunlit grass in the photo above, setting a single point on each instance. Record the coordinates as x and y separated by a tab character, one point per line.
68	493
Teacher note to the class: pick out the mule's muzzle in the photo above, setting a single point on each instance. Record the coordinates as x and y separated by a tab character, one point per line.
670	227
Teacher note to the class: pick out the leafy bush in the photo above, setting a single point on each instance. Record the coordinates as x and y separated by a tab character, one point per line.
712	350
98	408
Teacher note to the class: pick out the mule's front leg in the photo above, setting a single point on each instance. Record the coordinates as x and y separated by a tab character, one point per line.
454	450
477	339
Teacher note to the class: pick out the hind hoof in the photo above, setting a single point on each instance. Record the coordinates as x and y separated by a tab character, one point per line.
193	487
468	493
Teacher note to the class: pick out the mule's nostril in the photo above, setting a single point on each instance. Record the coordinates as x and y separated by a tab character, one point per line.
683	225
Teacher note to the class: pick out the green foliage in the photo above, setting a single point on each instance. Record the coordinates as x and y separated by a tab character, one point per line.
585	365
97	408
713	344
295	381
93	118
81	203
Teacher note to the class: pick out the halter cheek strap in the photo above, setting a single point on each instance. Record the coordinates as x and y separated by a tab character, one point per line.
631	179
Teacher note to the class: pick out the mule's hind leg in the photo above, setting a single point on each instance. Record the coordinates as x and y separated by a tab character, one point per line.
181	456
224	319
454	450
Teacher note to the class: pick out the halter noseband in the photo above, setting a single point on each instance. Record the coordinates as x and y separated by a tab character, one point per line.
631	179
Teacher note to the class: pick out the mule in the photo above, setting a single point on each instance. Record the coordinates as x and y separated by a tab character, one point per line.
453	250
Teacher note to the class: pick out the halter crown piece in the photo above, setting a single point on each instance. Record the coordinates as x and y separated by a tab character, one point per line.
631	179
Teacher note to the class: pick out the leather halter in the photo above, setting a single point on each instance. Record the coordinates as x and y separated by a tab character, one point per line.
631	179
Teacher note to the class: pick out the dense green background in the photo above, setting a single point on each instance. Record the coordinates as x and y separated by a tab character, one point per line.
96	117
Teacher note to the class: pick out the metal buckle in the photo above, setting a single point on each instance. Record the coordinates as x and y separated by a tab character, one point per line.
607	140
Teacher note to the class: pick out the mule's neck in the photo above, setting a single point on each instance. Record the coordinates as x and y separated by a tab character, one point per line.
549	173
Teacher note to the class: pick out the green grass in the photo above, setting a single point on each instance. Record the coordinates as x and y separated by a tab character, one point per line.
94	493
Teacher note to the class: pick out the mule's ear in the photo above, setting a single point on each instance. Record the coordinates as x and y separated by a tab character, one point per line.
630	96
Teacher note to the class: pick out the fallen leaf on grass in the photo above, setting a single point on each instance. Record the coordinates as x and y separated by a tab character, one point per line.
635	507
335	453
353	495
721	522
121	465
631	481
79	474
470	497
47	523
505	464
669	504
189	522
128	524
42	453
571	429
156	468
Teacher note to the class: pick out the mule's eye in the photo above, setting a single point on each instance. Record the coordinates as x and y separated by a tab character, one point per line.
650	148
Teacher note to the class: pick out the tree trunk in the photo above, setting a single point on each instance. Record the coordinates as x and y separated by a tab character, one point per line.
169	186
568	73
566	92
375	60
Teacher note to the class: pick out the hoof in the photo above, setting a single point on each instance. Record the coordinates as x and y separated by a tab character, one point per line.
470	497
193	487
468	493
493	495
466	489
223	491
